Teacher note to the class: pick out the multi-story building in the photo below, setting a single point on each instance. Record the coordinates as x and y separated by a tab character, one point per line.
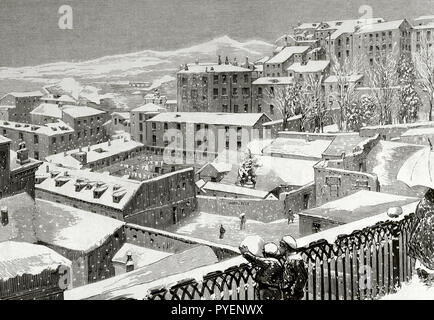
201	135
41	140
277	66
377	41
423	35
158	202
214	87
262	95
87	123
301	71
138	117
17	170
16	106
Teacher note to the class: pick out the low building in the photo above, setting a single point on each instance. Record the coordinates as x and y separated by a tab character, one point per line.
18	105
223	190
157	202
120	123
273	128
199	136
357	206
278	64
315	69
213	171
97	156
138	117
88	240
32	272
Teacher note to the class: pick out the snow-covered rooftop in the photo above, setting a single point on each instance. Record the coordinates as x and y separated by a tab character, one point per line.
273	81
25	94
351	78
210	187
220	167
81	111
213	67
71	228
418	132
300	148
96	153
48	129
19	258
378	27
343	144
214	118
141	256
357	206
309	66
133	281
49	110
287	53
150	108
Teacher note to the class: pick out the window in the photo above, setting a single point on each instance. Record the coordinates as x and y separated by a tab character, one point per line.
140	116
245	91
235	108
246	107
194	94
62	139
235	78
184	81
216	79
259	108
225	108
70	137
224	78
78	122
21	135
36	155
271	109
215	92
166	126
224	92
53	140
246	78
204	80
197	127
234	91
140	126
154	126
259	91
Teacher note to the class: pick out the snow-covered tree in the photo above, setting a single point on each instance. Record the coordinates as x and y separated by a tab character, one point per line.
424	62
345	94
361	113
382	77
286	98
314	110
410	101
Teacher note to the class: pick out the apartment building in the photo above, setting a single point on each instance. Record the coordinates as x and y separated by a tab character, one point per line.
16	106
301	71
214	87
138	117
277	66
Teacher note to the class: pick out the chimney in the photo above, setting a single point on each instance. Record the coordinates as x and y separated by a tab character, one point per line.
4	216
196	61
186	67
22	154
88	148
227	60
109	143
129	266
235	63
47	169
220	60
247	62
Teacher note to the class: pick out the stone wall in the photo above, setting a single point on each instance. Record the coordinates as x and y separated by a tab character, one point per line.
255	209
300	199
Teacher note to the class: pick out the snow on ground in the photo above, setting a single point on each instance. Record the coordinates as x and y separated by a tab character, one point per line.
414	290
206	226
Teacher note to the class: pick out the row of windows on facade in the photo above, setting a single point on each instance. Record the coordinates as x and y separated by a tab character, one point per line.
216	79
54	139
85	121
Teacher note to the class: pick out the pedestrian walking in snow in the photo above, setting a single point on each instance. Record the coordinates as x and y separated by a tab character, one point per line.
222	232
269	276
242	221
290	216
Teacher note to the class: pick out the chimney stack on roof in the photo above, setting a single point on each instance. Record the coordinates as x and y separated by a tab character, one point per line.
227	60
196	61
235	63
109	142
129	266
22	154
220	60
47	169
4	216
186	67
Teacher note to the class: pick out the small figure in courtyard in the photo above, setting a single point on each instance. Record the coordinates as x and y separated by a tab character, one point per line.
294	270
222	232
290	216
243	221
269	275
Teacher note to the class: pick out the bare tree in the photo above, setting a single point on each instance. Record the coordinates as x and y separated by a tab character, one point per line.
424	62
314	112
286	98
345	94
382	77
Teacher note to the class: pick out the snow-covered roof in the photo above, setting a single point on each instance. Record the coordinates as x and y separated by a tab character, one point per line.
96	153
25	94
309	66
21	212
220	167
141	256
343	144
429	25
273	81
4	140
19	258
300	148
125	115
385	160
48	129
213	67
214	118
71	228
81	111
272	123
357	206
287	53
133	281
350	78
70	177
428	17
150	108
378	27
261	61
230	188
49	110
418	132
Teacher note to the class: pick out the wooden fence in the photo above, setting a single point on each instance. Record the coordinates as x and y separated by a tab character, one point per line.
365	264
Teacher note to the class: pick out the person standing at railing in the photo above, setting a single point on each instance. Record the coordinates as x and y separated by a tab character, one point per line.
294	270
269	275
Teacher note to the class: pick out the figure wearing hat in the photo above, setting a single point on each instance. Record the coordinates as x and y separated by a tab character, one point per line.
269	275
294	270
243	221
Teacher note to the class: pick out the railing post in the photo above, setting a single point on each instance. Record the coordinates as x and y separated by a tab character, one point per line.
395	256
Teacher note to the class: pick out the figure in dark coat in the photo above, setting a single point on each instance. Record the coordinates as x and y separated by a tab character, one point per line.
269	275
421	243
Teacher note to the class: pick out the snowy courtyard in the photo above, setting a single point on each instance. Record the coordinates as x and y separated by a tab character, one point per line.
206	226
